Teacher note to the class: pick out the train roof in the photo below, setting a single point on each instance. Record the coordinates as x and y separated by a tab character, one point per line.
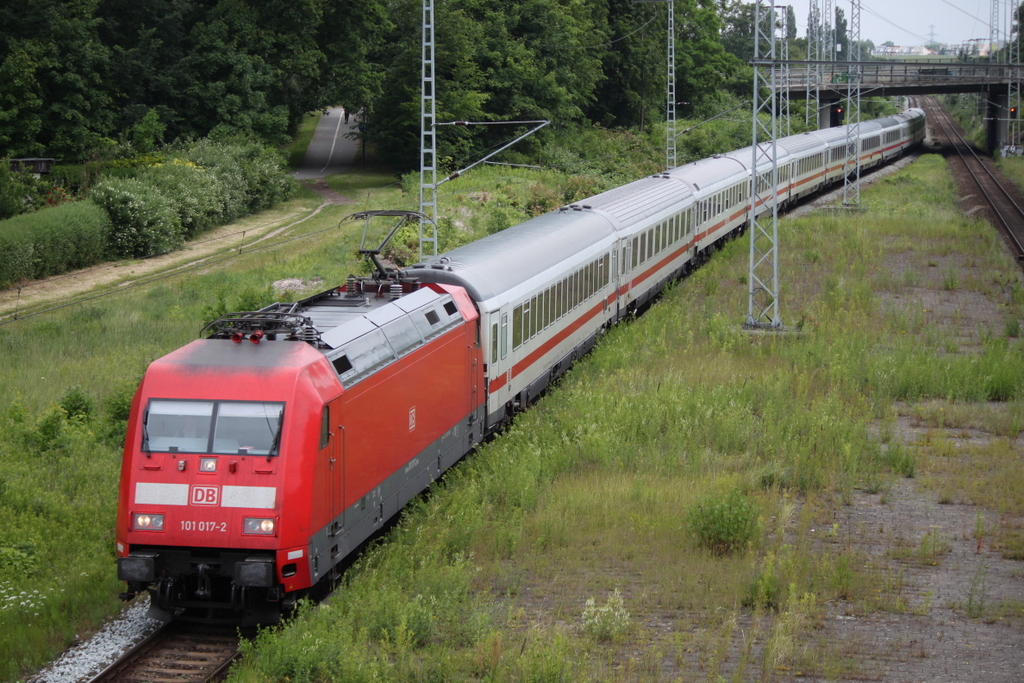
500	262
709	173
638	200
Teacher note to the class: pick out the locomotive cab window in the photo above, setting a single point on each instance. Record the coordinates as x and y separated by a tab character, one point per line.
230	427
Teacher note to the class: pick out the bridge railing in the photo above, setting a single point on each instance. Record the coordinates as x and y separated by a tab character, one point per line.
804	74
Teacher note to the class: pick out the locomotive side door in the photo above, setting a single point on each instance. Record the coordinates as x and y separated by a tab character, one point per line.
338	475
331	469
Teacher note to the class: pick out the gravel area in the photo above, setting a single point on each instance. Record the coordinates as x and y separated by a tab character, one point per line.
91	656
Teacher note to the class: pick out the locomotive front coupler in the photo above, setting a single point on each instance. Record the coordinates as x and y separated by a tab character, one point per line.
203	591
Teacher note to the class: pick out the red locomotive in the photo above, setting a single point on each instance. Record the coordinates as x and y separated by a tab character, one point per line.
253	466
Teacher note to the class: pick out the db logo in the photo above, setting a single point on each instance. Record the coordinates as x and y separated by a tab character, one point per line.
205	495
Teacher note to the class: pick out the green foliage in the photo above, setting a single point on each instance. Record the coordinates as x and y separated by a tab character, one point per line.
76	404
724	524
147	131
250	177
72	74
56	564
607	622
51	241
143	220
197	193
71	177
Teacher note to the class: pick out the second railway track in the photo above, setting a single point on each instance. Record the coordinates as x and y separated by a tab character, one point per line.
999	202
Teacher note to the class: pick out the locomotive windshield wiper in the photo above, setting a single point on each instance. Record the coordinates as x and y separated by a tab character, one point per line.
145	435
277	436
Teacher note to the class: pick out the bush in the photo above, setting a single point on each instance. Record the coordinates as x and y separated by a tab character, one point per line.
69	176
252	177
723	524
143	220
196	193
20	191
52	241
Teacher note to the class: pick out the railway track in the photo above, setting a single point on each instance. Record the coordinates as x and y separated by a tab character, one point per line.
1003	209
177	652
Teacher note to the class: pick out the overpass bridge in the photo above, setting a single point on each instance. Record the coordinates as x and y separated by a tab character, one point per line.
830	83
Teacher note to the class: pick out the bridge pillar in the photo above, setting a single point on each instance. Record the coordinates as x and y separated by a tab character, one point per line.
997	124
825	108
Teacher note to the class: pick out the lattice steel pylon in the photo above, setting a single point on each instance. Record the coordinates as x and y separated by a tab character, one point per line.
993	32
763	281
1013	94
670	86
851	165
828	34
428	141
814	48
782	26
670	104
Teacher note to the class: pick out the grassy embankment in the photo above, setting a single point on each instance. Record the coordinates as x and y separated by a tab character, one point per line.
592	540
69	374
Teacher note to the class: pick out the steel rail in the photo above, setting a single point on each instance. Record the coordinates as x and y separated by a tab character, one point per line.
1011	223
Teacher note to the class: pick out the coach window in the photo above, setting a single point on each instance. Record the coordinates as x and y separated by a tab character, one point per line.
494	339
538	315
527	320
504	334
517	327
531	326
607	273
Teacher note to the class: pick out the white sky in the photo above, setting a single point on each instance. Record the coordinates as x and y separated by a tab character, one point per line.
912	22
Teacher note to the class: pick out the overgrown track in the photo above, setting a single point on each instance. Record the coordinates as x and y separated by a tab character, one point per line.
1003	209
177	652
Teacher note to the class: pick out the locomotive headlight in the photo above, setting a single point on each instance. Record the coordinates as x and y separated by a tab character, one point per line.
142	521
258	525
207	464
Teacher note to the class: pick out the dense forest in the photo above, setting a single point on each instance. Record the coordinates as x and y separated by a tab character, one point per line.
78	74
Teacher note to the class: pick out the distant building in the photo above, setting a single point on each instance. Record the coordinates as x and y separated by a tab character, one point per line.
902	51
35	165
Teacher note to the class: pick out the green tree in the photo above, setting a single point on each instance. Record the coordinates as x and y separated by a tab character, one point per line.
842	39
60	64
20	104
146	132
738	29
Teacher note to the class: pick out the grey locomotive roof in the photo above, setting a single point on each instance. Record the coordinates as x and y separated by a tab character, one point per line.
500	262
